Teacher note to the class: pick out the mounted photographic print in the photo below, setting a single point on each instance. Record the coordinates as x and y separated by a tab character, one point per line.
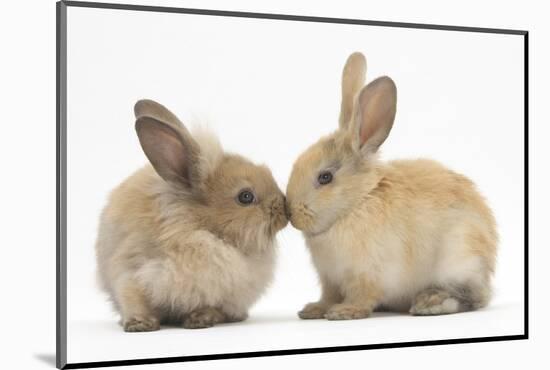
240	184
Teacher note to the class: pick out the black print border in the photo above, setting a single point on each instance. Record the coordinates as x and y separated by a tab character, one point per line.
61	172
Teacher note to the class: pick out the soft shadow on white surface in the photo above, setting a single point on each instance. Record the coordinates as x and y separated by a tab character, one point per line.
105	340
47	358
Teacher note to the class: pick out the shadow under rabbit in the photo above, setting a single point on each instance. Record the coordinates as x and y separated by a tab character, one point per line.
291	319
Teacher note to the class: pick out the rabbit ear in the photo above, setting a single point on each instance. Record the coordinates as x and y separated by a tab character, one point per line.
374	115
353	78
173	152
151	108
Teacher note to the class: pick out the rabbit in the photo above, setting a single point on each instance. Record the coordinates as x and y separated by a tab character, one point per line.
190	238
404	235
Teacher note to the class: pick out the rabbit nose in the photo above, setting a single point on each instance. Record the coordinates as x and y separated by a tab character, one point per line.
277	204
287	210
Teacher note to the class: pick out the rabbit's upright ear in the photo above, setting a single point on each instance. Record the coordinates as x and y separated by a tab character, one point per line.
353	78
172	151
374	115
151	108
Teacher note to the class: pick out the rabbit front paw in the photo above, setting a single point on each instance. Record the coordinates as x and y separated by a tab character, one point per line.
203	318
345	311
140	324
313	310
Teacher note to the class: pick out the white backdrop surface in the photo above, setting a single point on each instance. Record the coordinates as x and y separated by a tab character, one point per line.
28	85
270	88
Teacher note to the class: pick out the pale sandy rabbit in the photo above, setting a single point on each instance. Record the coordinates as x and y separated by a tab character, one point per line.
189	240
402	235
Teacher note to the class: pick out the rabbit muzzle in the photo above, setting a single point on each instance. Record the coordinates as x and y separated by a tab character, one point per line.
301	216
276	210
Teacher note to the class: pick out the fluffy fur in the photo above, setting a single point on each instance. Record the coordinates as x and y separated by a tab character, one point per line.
174	245
403	235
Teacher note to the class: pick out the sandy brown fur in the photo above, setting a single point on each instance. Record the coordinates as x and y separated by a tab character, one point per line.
186	252
384	234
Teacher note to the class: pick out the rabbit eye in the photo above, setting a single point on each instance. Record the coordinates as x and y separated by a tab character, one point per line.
245	197
325	177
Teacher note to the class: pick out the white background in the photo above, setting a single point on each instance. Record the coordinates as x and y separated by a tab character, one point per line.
29	254
271	88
